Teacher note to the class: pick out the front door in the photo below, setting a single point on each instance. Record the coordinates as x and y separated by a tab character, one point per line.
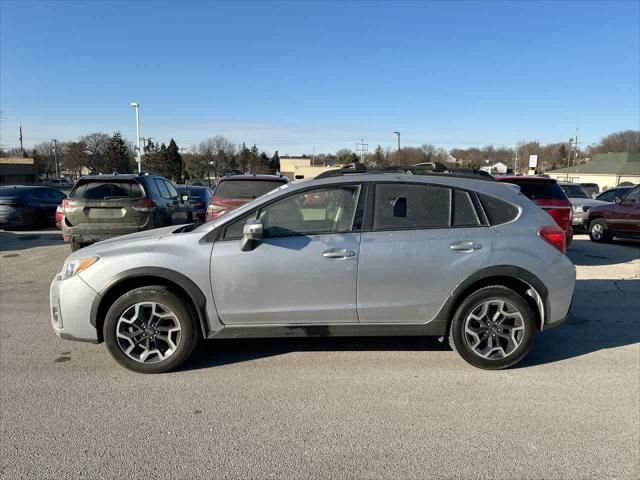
625	216
424	240
303	271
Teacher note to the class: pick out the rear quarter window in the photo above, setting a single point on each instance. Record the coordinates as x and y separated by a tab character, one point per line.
498	211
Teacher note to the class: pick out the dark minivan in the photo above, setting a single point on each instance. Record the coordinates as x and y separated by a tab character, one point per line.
105	206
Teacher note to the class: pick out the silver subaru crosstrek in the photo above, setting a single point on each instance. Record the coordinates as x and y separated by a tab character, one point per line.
468	260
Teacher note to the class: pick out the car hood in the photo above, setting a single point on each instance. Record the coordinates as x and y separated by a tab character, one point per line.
586	202
115	242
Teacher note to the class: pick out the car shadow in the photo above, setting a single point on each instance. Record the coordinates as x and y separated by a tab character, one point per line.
23	238
591	328
586	253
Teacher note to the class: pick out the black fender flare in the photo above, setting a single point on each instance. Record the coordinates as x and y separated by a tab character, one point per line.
509	271
193	291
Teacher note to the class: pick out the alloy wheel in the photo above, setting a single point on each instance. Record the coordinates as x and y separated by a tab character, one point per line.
148	332
597	231
494	329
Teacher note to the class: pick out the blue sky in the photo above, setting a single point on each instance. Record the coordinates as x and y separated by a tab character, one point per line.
294	75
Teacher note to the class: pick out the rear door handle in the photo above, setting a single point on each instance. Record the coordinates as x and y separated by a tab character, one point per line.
338	253
465	246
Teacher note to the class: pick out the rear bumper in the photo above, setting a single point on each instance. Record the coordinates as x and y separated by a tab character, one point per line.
96	234
70	303
560	279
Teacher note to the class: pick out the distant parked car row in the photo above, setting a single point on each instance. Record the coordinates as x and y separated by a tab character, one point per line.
29	206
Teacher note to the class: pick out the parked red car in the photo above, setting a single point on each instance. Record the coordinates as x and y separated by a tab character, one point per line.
234	191
546	193
619	219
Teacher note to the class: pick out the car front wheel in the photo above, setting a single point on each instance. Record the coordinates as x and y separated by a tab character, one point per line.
493	328
150	330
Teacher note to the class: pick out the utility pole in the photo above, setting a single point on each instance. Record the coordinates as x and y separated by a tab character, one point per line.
566	177
55	156
182	150
398	134
362	148
515	165
313	157
575	152
136	106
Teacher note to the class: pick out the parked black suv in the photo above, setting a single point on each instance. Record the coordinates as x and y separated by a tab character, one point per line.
105	206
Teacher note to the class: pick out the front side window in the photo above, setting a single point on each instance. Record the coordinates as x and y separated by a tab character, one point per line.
633	196
402	207
315	212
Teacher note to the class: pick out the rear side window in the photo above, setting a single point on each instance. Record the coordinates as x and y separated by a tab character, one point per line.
101	190
541	190
402	206
498	211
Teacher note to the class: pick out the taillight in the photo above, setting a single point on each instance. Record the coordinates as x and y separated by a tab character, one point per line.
560	210
555	236
215	210
145	205
69	205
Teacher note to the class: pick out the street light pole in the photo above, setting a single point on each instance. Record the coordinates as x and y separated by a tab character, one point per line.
55	156
398	134
136	106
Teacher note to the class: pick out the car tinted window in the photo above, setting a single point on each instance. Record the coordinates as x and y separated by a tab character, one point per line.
235	229
607	196
633	196
574	191
100	190
464	213
173	193
320	211
403	206
541	190
245	189
498	211
162	188
193	192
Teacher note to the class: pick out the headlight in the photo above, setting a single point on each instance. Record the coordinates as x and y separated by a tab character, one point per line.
577	208
73	267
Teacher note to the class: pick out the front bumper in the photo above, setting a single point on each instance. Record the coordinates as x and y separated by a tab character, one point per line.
578	219
70	307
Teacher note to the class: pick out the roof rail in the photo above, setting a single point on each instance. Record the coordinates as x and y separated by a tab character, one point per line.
434	168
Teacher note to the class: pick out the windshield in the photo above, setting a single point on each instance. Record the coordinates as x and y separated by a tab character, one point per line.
574	191
245	189
541	190
193	192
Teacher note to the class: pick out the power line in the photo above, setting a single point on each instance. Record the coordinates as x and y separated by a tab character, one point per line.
362	148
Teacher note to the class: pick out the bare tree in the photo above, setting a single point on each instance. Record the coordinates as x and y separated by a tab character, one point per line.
626	141
96	147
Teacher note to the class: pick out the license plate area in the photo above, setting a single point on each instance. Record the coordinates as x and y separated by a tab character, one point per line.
106	213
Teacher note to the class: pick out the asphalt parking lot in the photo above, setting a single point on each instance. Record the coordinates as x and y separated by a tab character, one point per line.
330	408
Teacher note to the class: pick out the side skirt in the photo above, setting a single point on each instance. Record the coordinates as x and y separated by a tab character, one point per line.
433	328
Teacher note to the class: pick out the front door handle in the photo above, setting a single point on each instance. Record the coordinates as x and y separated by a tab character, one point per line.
465	246
338	253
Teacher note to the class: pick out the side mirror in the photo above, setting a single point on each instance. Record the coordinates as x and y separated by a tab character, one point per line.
618	200
252	233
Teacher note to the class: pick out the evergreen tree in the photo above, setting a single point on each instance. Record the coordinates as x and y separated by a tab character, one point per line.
378	156
254	159
244	158
275	162
173	168
117	158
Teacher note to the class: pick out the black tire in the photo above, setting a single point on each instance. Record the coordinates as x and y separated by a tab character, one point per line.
457	336
598	231
187	317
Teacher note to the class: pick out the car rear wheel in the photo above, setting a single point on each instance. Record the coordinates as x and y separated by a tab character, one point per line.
598	232
493	328
150	330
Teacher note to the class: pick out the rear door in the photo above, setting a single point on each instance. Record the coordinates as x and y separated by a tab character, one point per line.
100	202
422	241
